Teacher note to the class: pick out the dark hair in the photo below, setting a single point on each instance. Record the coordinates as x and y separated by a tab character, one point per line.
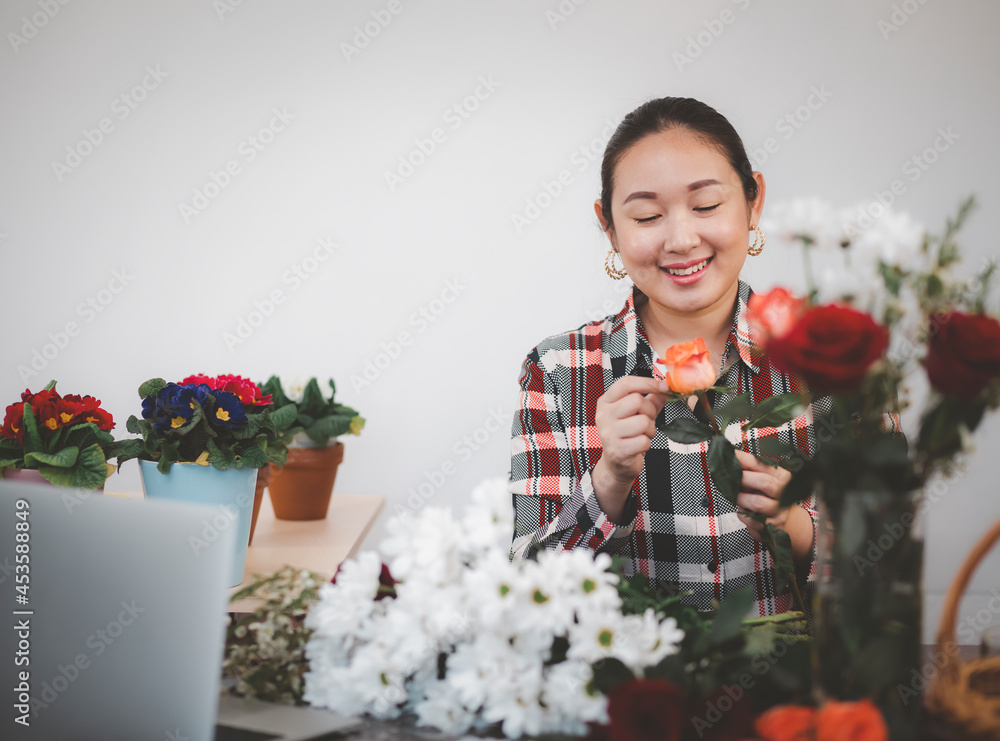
662	114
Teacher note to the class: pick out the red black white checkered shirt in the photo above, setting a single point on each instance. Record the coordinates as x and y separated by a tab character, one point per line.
678	529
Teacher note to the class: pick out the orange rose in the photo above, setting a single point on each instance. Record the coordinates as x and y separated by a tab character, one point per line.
787	723
850	721
773	314
689	367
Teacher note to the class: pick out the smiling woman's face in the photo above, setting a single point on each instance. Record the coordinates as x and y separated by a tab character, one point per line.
681	222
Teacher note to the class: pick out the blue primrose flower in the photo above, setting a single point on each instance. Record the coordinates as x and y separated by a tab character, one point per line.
228	411
174	406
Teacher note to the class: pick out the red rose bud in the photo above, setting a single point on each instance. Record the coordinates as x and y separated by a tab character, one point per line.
963	355
830	347
772	315
689	367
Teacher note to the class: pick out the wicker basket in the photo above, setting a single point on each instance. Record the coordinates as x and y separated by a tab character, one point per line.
966	693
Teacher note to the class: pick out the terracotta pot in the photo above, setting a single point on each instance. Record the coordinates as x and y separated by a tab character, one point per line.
263	476
301	489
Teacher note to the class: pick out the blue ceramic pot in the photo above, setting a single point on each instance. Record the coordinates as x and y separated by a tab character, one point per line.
227	494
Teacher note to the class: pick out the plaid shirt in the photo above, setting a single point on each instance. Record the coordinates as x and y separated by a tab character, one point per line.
678	529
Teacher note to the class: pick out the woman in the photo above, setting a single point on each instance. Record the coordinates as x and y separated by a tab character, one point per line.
589	466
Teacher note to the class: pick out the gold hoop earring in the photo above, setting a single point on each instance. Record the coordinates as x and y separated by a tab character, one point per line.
609	266
758	242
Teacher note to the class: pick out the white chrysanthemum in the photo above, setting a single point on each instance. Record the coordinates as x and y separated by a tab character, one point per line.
583	580
427	547
566	694
488	522
443	710
804	219
894	238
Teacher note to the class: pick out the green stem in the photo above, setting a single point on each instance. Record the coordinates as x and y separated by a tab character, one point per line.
703	400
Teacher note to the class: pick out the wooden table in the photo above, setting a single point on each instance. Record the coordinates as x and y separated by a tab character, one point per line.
317	545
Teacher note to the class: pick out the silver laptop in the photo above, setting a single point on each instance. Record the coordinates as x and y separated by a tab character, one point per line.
115	625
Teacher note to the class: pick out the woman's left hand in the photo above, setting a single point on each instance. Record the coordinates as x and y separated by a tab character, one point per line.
760	492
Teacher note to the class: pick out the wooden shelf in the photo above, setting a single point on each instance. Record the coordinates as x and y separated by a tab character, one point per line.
316	545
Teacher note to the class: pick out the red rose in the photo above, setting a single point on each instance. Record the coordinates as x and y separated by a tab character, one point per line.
830	347
772	315
851	721
787	723
646	710
963	355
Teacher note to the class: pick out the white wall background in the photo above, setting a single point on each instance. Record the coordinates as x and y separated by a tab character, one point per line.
560	75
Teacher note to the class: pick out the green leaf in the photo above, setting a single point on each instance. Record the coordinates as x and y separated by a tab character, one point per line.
125	450
221	457
775	411
739	407
312	399
63	459
89	472
687	430
273	387
151	387
728	621
773	451
251	428
781	554
323	429
725	468
132	425
609	673
283	417
32	438
254	456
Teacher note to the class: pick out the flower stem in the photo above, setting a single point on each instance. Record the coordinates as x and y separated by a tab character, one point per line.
703	400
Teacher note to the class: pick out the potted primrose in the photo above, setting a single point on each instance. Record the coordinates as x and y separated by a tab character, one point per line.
302	487
204	440
65	441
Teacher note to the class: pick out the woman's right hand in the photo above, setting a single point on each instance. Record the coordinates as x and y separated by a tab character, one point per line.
626	423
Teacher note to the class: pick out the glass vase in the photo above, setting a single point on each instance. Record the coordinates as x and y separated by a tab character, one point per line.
867	605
